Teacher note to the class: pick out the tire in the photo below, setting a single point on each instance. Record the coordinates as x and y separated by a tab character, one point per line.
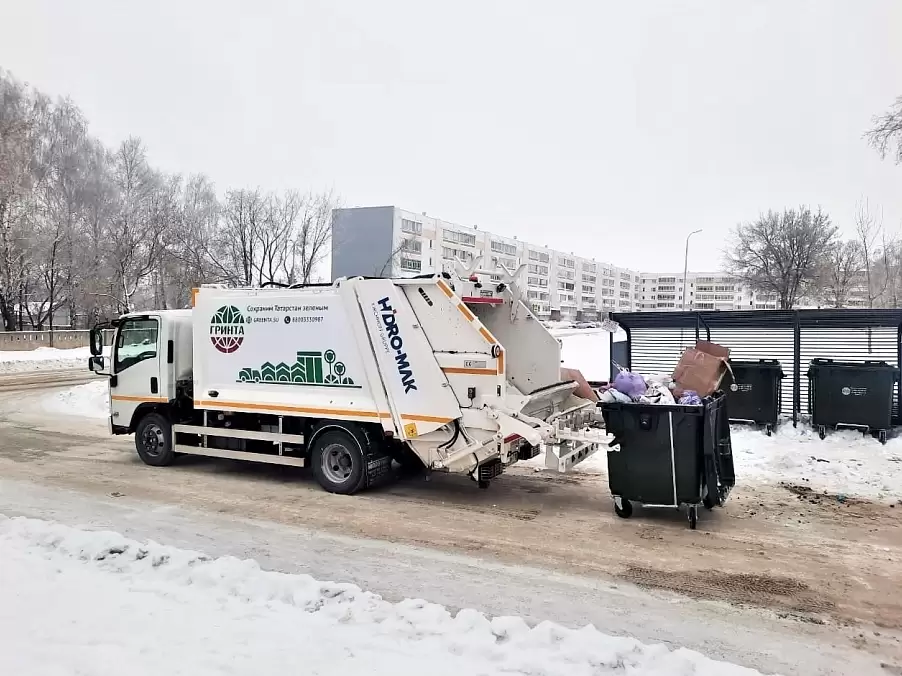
153	440
822	431
881	436
338	459
624	510
708	502
693	516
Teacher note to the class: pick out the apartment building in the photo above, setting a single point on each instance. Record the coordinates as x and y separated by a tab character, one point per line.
663	291
393	242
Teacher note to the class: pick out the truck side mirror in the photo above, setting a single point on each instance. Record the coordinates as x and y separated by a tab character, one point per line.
95	364
96	342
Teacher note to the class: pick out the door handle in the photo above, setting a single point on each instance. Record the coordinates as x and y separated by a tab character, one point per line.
154	386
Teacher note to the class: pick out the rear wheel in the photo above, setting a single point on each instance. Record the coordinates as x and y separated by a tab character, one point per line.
338	461
153	440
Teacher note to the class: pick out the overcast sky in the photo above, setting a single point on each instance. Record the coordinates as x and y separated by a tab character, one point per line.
609	129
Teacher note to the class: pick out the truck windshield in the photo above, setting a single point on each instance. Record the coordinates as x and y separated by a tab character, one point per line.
137	341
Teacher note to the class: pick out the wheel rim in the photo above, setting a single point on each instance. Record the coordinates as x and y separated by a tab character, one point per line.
152	440
337	463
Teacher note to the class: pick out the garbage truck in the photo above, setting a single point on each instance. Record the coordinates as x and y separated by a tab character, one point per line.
448	372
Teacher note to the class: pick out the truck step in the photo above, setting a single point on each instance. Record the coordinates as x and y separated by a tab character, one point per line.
241	455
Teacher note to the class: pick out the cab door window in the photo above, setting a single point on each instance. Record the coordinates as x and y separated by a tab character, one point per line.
136	342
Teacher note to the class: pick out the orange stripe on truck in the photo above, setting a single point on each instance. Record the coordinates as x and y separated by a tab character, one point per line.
465	311
501	362
488	336
425	418
471	372
444	287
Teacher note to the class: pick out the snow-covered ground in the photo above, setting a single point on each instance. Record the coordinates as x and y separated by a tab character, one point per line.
75	601
43	359
91	400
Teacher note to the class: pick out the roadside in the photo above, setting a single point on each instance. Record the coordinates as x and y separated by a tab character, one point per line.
814	574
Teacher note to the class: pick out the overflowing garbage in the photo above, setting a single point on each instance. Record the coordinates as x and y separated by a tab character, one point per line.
698	374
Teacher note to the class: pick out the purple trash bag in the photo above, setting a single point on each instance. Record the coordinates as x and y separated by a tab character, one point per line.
631	384
690	398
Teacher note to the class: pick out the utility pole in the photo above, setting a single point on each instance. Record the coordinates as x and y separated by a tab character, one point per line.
686	265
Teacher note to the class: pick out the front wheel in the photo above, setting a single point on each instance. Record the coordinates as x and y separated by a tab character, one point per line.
153	440
623	508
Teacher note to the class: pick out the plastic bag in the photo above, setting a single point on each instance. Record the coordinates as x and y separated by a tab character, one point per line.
631	384
690	398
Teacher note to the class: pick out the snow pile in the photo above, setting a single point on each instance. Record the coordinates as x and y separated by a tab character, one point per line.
75	601
846	462
91	400
43	359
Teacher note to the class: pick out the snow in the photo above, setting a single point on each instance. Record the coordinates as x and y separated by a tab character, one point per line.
91	400
76	601
844	463
43	359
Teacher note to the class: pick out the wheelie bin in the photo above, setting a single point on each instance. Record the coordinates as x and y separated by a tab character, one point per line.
852	394
669	456
754	392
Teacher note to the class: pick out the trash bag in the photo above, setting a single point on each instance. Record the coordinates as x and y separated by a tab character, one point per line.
631	384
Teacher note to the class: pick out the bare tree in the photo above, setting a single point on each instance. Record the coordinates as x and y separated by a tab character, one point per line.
840	273
886	133
872	240
780	253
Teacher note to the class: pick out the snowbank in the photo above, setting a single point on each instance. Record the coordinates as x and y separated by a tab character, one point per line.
76	601
91	400
846	462
43	359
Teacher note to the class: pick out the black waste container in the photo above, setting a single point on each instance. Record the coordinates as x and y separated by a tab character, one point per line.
852	394
753	392
668	456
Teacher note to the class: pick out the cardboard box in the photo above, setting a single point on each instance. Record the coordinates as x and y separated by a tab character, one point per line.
583	389
702	367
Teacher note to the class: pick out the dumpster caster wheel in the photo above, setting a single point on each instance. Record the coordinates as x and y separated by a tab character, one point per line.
693	516
821	431
769	430
881	436
623	508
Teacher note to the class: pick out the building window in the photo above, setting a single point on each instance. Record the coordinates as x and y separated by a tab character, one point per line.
588	300
538	269
588	288
464	238
566	262
624	285
589	267
412	245
566	274
539	256
504	248
450	254
607	292
509	263
536	281
666	280
625	275
589	278
567	286
411	264
412	227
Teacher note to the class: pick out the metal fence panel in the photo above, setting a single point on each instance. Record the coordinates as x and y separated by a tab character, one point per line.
656	341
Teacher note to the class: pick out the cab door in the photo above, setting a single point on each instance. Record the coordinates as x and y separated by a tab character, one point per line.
135	369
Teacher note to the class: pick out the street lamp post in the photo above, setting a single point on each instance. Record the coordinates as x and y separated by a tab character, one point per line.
686	264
